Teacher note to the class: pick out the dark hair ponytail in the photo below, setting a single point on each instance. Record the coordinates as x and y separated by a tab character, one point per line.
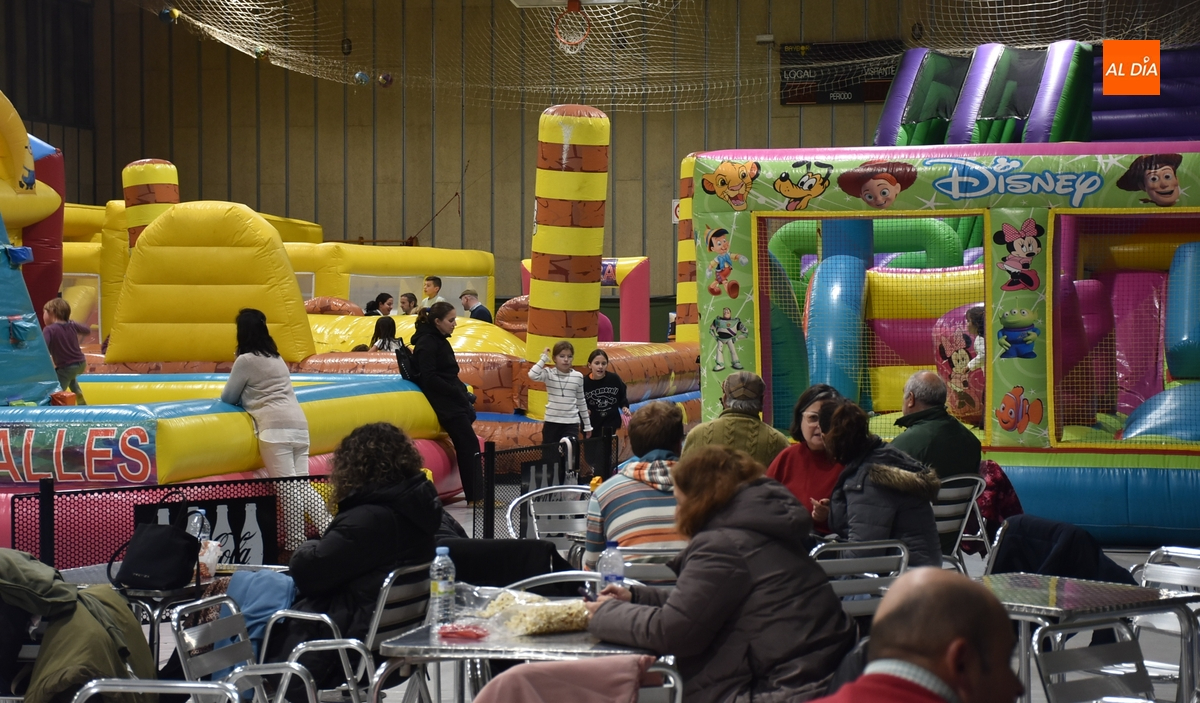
437	311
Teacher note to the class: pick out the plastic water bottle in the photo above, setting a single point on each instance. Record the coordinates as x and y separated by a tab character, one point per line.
611	566
441	587
198	525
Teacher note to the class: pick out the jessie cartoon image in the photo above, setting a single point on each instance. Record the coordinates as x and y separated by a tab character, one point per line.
1157	174
1023	244
878	182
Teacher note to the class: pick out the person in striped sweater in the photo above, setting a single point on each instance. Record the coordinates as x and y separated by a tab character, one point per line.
565	404
636	507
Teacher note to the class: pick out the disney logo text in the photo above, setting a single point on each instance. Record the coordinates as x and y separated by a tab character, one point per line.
969	179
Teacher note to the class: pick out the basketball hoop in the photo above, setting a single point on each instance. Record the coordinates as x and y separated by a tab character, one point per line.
571	28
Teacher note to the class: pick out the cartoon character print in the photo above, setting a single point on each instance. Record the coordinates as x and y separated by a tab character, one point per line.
608	274
1016	412
878	182
721	267
732	182
27	181
1017	334
1023	244
1157	174
805	189
727	329
953	351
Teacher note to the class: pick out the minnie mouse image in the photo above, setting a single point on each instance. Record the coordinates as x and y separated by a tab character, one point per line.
1022	244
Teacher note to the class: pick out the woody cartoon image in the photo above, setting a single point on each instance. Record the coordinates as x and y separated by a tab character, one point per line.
1157	174
722	266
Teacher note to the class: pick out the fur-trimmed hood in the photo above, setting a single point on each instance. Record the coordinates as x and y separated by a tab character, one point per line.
889	467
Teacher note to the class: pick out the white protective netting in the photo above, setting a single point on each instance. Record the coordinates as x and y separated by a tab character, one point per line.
650	55
956	26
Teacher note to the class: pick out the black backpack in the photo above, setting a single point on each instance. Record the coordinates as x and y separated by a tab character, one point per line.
407	364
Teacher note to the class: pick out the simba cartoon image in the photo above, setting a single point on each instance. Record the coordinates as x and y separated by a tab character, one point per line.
732	182
878	182
1157	174
805	188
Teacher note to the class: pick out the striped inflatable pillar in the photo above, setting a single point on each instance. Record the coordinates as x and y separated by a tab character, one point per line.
687	317
151	187
568	236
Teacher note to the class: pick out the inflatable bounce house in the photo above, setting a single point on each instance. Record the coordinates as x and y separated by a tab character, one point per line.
160	283
853	267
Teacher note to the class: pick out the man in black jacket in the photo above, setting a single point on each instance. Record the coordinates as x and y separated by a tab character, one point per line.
932	435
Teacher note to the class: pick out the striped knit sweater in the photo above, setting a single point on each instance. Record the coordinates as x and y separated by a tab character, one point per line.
635	508
565	403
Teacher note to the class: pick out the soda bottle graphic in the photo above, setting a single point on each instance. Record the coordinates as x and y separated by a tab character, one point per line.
250	546
223	533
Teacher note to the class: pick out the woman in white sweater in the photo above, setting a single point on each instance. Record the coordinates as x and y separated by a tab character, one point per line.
565	404
261	383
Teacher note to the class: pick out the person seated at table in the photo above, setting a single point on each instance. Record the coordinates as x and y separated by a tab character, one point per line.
882	493
938	637
636	508
751	615
388	513
805	467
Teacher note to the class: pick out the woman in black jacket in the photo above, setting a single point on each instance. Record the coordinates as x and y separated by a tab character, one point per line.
437	370
882	493
388	513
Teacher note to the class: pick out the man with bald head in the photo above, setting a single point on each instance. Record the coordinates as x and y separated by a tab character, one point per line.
932	435
938	637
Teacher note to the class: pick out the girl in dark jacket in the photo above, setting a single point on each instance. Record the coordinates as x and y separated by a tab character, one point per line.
882	493
438	369
387	515
752	616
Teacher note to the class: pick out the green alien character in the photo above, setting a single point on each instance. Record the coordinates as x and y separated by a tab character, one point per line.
1017	334
727	329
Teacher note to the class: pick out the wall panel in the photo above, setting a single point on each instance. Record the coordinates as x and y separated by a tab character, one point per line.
377	163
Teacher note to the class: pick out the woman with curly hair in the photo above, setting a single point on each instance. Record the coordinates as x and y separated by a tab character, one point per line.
752	616
387	515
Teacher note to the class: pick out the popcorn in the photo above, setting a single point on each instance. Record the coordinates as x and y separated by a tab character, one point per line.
548	617
508	599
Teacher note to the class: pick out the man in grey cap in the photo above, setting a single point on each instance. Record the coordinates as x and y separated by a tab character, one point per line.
470	302
739	426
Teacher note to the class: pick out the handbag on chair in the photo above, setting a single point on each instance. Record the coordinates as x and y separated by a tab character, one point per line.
158	557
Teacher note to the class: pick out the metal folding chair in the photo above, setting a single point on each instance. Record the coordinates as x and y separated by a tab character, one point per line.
202	690
1082	674
953	507
649	564
1175	568
555	513
860	572
990	560
199	661
401	605
672	687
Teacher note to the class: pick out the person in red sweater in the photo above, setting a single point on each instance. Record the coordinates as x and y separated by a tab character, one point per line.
804	467
938	637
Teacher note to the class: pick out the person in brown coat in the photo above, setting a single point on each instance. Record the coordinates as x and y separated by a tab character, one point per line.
751	616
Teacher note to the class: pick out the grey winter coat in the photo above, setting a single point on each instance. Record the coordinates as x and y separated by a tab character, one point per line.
886	494
752	616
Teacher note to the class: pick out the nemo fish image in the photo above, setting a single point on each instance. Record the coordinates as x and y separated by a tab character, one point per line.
1016	412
